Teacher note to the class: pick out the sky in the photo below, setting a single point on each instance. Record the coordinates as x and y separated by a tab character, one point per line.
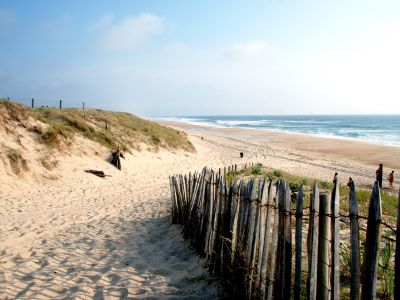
176	58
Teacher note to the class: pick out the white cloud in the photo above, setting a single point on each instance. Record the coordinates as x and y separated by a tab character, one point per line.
177	48
249	49
132	31
103	22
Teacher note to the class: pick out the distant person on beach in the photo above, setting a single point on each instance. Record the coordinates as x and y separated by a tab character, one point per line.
377	174
391	179
350	182
335	178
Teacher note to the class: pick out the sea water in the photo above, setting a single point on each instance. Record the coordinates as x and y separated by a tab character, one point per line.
380	129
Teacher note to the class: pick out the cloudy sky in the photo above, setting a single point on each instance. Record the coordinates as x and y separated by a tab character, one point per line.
169	57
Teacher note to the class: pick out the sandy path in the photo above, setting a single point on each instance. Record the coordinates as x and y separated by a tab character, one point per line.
90	238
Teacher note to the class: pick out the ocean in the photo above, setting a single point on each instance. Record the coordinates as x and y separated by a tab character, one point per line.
378	129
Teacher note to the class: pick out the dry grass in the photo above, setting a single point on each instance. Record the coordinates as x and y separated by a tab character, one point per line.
48	163
13	112
123	130
18	163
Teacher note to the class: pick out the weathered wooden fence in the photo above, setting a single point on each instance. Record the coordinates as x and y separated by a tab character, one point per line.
246	227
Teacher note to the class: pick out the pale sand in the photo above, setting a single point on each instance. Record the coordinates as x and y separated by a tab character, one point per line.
84	237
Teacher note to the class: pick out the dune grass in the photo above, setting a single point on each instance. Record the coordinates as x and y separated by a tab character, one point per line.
109	129
17	162
389	199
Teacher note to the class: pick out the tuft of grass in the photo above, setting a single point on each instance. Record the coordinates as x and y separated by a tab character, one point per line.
52	136
48	163
256	170
17	162
11	111
230	176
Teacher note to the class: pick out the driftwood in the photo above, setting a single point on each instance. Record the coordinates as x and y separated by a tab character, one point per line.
97	173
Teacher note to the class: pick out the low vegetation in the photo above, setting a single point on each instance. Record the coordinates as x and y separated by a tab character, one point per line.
17	162
110	129
389	200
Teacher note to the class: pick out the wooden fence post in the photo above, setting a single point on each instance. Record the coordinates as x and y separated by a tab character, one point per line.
265	228
255	201
397	258
372	245
380	173
211	216
335	241
284	261
273	265
323	289
236	190
355	245
298	244
313	245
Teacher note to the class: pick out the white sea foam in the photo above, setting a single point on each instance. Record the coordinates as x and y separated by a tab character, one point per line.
357	128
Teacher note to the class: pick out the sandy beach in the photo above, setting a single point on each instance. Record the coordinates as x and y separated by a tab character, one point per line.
77	236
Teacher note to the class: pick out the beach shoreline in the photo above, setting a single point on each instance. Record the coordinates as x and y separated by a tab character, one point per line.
360	151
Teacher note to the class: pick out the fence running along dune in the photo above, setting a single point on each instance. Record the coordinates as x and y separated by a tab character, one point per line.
256	235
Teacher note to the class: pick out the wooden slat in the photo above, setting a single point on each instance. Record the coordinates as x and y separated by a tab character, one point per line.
287	233
397	257
372	245
273	264
355	245
254	240
313	245
335	242
252	220
235	224
323	288
298	244
262	226
267	241
211	216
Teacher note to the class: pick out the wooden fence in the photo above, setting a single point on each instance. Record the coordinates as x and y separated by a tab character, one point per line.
248	232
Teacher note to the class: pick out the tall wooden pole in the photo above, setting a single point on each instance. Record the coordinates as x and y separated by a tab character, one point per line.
313	245
372	245
355	245
298	237
397	257
323	289
335	261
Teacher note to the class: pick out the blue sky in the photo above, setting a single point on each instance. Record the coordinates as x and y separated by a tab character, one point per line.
204	57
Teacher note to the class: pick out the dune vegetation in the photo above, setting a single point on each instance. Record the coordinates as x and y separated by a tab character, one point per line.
56	129
110	129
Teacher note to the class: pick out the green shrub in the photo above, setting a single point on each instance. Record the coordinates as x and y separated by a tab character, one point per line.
277	173
256	170
294	187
